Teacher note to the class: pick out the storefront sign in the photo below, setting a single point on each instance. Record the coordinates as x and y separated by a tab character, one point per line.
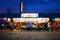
39	20
29	15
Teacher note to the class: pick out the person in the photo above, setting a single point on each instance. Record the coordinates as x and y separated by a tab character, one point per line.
54	27
0	26
30	25
12	25
38	27
3	26
49	26
27	27
46	26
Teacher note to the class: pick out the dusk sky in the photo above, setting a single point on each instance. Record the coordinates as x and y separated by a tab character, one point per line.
9	4
40	6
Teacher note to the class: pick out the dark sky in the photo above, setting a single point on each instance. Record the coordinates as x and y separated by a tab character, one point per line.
41	6
9	4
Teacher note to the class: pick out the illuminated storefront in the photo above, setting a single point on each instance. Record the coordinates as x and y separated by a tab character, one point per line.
26	18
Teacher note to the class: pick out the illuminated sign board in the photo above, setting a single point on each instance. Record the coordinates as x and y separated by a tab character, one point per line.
39	20
29	15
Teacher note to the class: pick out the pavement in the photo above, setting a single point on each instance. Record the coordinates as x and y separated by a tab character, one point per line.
27	35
